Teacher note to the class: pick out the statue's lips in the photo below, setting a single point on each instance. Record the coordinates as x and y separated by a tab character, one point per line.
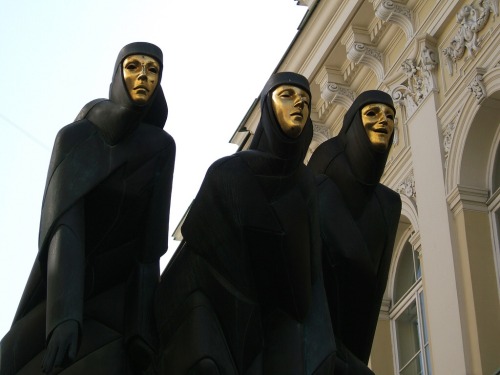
381	130
296	114
141	88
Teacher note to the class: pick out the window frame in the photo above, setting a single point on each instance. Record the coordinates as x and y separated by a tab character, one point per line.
413	294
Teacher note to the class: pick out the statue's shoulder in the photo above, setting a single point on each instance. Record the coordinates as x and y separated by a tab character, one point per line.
325	154
390	202
72	134
226	165
78	127
388	193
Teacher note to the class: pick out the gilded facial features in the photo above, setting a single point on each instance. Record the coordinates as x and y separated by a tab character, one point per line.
291	107
141	74
378	121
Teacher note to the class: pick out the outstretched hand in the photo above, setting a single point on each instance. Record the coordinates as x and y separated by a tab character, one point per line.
62	346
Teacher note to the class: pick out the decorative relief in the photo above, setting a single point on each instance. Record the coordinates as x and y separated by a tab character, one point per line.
331	91
420	78
376	30
407	186
448	133
477	88
404	97
395	138
322	130
472	19
360	53
390	11
336	93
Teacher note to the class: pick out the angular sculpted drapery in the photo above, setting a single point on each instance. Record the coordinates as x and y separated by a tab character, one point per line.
244	292
104	226
358	217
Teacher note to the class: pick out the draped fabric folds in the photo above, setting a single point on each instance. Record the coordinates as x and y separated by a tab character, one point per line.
105	213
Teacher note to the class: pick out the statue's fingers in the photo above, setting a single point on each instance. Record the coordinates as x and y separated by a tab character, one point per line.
60	356
48	359
73	346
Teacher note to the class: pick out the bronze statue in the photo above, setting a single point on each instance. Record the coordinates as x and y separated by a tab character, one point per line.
88	305
358	217
244	292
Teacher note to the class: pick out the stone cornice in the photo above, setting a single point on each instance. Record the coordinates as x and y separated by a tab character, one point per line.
397	13
467	198
360	51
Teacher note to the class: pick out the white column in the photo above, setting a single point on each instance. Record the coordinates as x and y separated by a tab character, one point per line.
438	264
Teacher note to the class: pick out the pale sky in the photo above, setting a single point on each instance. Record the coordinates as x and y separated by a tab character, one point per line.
58	55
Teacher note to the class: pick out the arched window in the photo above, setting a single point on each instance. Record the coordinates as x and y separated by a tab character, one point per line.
408	322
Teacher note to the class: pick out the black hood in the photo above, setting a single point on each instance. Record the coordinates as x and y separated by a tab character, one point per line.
119	115
367	163
269	137
118	92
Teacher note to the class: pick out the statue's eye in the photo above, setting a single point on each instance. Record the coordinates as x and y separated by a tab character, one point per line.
391	117
153	69
131	66
370	113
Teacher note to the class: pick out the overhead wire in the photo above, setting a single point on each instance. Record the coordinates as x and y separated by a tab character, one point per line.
25	132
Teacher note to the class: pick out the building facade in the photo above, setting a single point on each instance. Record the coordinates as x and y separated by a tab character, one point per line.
440	61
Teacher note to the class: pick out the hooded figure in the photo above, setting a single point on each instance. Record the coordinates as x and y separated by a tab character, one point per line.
244	292
103	229
358	218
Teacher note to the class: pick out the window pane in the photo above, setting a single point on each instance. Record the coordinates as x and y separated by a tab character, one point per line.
414	367
418	269
407	331
405	274
428	360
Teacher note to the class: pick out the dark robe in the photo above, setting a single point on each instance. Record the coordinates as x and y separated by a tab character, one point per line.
103	229
359	218
244	292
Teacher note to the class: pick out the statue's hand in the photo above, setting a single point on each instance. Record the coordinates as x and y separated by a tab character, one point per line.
141	354
62	346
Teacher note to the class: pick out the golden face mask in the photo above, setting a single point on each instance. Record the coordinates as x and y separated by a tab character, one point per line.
378	121
141	74
291	107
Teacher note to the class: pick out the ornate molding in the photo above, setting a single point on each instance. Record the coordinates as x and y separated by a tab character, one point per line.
420	77
336	93
472	19
394	12
467	198
404	97
333	92
321	130
407	186
448	133
360	53
395	139
477	87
